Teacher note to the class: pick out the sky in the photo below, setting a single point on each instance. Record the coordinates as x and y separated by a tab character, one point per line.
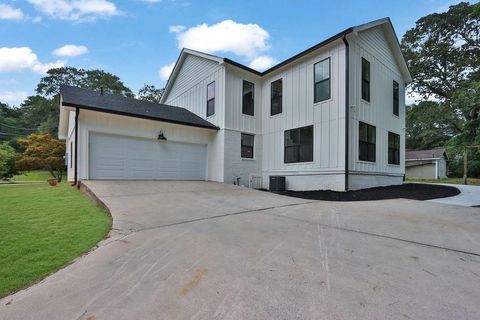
140	40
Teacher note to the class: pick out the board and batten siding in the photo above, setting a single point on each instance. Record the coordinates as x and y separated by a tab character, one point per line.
189	90
299	110
373	46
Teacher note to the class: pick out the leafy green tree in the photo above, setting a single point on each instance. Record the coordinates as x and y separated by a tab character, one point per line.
150	93
9	122
7	161
42	152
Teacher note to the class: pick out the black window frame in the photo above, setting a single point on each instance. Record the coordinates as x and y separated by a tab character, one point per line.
366	82
393	151
276	99
245	147
366	146
299	145
71	154
209	106
248	112
396	98
315	83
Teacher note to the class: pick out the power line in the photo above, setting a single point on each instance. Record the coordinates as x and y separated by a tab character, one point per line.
27	129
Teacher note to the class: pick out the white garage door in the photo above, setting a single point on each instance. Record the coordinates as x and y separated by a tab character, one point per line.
126	158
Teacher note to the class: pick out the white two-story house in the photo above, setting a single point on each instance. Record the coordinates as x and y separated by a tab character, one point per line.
330	117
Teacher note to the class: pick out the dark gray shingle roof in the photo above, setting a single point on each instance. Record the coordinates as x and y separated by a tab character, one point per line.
117	104
424	154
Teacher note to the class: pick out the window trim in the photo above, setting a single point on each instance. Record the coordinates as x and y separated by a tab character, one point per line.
396	98
281	97
388	148
367	142
242	145
71	154
329	81
253	98
208	100
299	145
369	81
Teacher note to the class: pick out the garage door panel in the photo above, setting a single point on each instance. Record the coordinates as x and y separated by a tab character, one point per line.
116	157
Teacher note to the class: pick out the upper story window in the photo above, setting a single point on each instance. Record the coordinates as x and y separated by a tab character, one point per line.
298	145
247	144
248	98
367	141
211	99
393	148
396	98
365	80
322	80
276	97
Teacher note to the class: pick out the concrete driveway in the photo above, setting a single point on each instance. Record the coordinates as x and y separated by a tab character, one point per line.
201	250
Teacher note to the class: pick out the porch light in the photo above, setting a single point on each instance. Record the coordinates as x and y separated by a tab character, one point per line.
161	136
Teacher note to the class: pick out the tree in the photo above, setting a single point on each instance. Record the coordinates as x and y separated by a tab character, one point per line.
150	93
49	86
42	152
7	161
40	115
9	122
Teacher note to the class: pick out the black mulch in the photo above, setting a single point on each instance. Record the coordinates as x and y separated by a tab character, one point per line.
416	191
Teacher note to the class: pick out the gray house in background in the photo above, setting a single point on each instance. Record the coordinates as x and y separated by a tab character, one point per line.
426	164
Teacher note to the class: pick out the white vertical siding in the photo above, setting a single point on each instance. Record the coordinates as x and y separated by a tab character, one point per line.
189	90
373	46
70	146
299	110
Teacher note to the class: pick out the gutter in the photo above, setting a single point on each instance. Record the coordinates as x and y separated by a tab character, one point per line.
347	104
77	112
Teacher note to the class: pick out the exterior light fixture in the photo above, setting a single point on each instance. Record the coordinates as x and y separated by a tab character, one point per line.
161	136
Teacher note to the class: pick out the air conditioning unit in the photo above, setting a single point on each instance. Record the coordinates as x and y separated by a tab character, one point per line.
277	183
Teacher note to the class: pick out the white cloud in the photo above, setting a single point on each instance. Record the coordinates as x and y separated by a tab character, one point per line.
165	71
13	97
176	29
151	1
412	97
262	63
8	12
244	40
70	50
23	58
76	10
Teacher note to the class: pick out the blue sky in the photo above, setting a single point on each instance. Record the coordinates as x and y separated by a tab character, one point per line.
138	40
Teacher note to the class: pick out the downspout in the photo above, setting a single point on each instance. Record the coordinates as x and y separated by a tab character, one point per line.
347	108
77	112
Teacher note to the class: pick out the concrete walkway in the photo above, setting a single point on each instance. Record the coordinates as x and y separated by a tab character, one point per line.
469	196
203	250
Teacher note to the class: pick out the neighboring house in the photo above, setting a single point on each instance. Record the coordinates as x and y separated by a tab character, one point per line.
331	117
426	164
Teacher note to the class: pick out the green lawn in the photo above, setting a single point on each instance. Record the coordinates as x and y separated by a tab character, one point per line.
471	181
37	175
42	229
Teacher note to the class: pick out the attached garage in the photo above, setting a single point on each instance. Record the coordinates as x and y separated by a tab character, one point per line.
114	157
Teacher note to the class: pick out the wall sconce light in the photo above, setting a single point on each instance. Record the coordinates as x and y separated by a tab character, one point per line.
161	136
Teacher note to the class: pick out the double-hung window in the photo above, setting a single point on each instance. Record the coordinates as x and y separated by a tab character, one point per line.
298	145
322	80
211	99
367	142
365	80
248	98
276	97
247	145
393	148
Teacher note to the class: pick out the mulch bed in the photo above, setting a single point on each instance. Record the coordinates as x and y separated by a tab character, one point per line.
416	191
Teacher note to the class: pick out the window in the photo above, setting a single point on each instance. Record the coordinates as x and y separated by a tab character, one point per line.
393	148
247	102
71	154
247	145
365	80
366	144
298	145
211	99
396	97
276	97
322	80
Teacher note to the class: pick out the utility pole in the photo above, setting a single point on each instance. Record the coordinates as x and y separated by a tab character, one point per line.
465	160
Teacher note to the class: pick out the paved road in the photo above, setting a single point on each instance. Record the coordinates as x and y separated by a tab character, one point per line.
201	250
469	196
